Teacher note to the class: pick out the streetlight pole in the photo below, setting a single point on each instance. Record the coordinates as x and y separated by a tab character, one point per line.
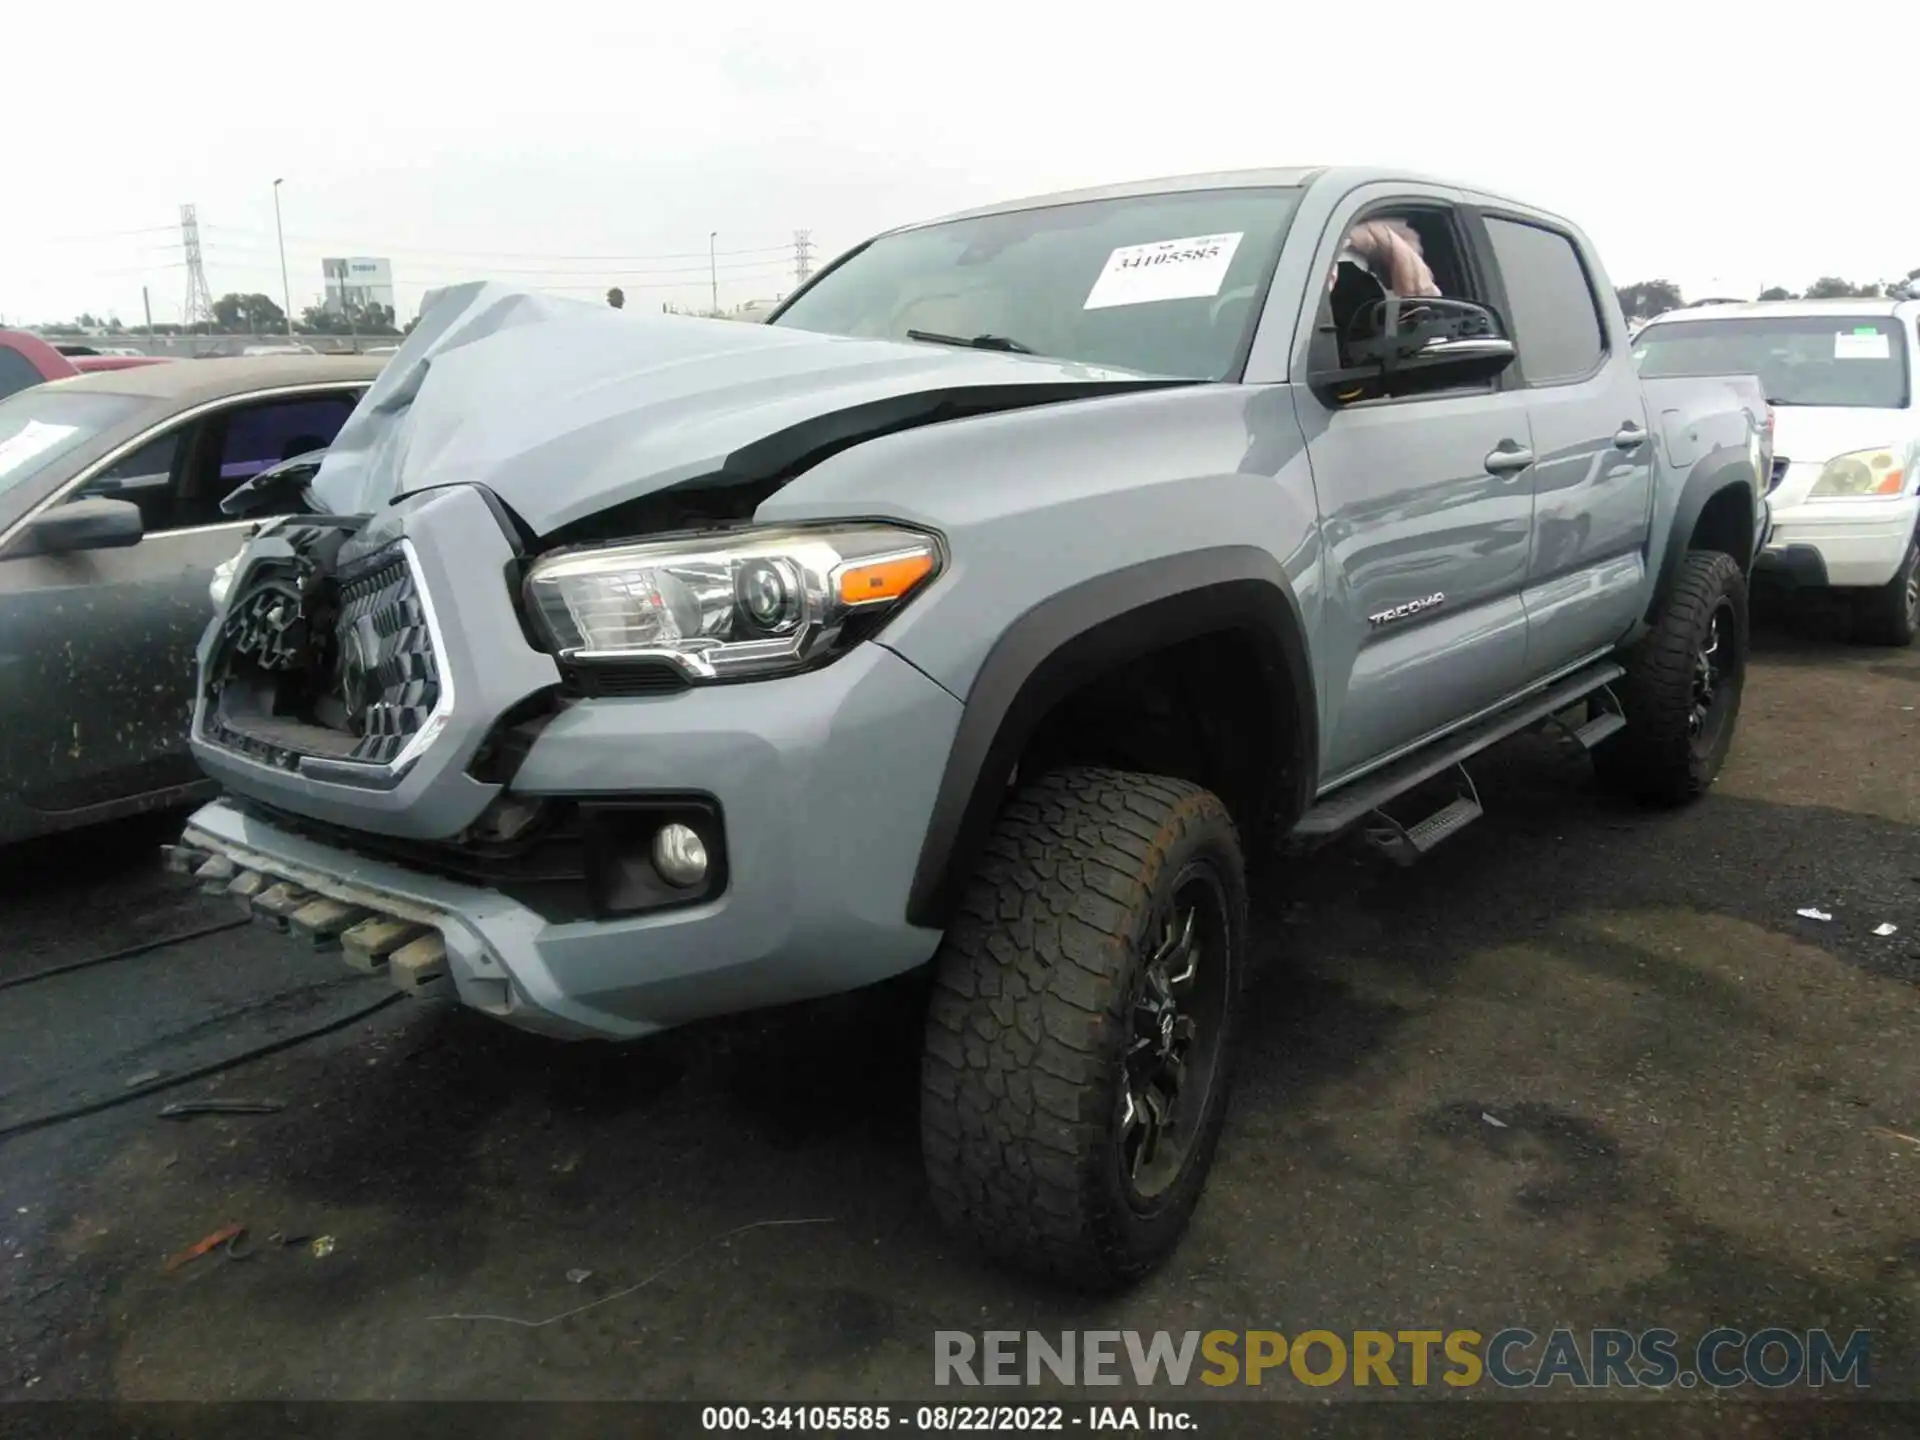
286	290
713	270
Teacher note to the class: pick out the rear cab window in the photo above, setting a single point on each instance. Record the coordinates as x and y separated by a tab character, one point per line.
1556	322
1835	361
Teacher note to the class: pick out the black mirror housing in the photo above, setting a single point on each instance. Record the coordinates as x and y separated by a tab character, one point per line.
1409	346
82	525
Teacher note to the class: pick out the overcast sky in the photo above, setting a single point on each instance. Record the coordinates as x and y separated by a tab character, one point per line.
575	145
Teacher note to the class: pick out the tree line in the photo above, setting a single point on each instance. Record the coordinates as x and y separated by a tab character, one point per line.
1645	299
238	314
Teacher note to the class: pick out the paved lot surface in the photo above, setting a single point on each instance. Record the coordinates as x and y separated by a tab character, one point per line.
1708	1113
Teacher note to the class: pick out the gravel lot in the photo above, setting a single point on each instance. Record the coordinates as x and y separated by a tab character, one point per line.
1708	1107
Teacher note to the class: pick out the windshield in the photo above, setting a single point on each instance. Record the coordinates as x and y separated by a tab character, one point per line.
1167	284
1827	360
40	425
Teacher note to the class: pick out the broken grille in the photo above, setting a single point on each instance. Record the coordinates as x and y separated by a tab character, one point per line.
389	675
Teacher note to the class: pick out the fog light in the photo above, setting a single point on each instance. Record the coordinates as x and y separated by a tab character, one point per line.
680	855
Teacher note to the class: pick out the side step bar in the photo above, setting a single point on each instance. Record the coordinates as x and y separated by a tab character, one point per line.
1354	802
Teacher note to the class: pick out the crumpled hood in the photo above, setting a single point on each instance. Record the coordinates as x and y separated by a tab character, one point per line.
563	408
1814	435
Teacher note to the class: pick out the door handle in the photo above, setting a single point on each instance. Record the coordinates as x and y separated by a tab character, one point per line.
1507	458
1629	437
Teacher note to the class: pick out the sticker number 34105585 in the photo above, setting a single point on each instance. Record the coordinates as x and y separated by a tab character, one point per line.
1185	269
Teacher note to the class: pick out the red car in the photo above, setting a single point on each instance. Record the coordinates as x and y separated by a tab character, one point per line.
28	360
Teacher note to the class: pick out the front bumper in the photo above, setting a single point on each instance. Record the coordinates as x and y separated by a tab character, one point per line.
823	783
1854	543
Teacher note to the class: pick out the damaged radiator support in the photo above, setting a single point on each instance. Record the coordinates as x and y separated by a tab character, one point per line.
413	954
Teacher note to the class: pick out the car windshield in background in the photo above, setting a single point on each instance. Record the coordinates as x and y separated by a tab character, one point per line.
40	425
1166	284
1832	360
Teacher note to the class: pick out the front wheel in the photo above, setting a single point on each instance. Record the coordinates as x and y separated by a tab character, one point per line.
1681	694
1077	1055
1891	614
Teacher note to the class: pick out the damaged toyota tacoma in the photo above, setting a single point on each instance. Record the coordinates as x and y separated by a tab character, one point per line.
1029	574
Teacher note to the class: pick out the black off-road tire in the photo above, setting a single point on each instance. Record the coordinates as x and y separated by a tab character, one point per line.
1035	1008
1891	614
1659	758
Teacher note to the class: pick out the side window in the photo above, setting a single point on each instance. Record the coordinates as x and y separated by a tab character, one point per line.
1556	324
247	439
16	372
1390	250
144	477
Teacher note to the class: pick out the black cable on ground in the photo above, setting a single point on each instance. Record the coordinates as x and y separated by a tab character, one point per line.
187	1077
127	954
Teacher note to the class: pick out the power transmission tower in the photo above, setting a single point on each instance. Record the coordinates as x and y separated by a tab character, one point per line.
802	256
199	306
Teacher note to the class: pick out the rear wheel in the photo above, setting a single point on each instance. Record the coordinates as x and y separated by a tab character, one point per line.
1681	694
1891	614
1077	1058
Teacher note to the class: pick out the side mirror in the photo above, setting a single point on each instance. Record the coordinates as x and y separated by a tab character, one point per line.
1408	346
81	525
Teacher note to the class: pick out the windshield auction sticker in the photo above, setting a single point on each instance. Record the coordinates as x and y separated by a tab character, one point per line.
36	437
1864	343
1187	269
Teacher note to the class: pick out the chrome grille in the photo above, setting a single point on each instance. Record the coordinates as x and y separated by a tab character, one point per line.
387	675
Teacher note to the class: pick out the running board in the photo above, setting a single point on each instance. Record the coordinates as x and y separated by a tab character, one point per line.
1405	844
1353	802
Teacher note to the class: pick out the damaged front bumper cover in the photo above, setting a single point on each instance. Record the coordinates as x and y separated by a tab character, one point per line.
377	932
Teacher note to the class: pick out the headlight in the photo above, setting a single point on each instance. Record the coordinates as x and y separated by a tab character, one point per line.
1864	472
223	574
751	603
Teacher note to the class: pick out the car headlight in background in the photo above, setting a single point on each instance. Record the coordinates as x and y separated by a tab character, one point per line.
1863	472
755	602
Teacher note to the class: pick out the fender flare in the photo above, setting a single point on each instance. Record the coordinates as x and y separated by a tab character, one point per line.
1708	481
1089	630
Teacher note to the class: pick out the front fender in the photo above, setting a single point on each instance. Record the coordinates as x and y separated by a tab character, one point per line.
1091	629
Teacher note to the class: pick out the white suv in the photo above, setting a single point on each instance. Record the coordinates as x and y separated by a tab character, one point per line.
1845	492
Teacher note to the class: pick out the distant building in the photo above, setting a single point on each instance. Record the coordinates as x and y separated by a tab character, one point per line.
359	281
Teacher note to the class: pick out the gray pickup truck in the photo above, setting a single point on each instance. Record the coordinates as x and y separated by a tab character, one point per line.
987	610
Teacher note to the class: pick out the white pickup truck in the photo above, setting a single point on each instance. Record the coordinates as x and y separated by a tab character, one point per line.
1845	493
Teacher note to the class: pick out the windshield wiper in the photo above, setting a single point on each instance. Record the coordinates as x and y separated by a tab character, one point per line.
978	342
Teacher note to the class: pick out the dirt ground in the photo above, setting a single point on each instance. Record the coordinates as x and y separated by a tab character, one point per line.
1707	1107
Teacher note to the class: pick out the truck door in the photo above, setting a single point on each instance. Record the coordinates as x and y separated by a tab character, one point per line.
1593	467
1427	507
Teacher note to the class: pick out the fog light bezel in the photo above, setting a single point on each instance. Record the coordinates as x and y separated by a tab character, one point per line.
622	879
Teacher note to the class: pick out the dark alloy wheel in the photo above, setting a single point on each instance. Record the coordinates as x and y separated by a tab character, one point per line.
1179	1004
1080	1033
1681	693
1715	669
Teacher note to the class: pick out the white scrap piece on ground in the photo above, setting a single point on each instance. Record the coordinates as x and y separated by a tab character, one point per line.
1812	914
1886	929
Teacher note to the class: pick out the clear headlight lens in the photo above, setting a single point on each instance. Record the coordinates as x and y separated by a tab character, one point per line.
223	574
750	603
1863	472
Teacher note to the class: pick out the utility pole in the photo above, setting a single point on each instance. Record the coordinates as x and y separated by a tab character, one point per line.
713	269
147	305
286	290
802	256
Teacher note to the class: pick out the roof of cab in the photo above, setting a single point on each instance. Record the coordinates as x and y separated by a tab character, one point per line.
193	382
1345	177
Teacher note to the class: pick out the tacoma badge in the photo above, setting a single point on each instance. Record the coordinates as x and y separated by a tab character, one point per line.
1401	612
